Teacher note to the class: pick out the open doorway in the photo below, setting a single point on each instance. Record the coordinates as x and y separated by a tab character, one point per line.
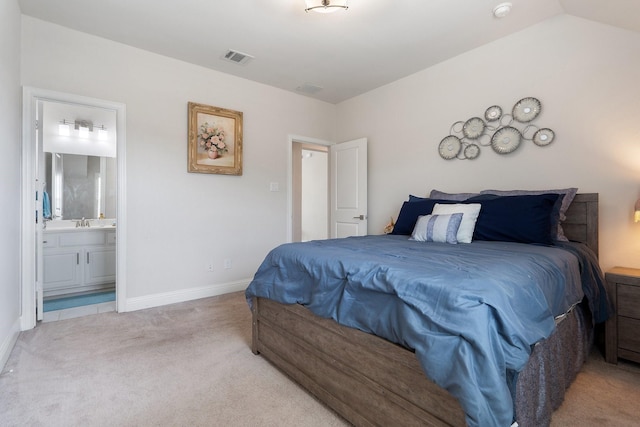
73	179
310	188
346	191
77	172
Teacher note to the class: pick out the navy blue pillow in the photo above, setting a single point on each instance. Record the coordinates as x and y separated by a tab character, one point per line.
410	212
522	219
413	198
555	213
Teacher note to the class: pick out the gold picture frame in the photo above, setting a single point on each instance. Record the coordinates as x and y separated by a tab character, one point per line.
215	140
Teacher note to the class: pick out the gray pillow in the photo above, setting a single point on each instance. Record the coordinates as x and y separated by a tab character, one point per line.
458	197
568	193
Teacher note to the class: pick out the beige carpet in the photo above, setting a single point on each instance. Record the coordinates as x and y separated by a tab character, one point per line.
190	364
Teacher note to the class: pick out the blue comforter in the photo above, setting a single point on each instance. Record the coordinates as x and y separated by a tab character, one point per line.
471	311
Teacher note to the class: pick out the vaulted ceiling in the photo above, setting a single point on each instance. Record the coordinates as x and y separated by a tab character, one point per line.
331	57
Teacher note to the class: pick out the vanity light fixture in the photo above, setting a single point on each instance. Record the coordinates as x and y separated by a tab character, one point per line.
64	129
83	132
325	6
83	127
636	215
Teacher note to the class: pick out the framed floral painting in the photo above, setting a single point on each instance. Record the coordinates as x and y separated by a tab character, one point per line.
215	140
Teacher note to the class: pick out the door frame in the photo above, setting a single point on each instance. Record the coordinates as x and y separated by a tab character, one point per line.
28	204
302	140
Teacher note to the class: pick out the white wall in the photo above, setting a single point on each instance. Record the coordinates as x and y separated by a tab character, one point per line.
179	222
585	74
10	131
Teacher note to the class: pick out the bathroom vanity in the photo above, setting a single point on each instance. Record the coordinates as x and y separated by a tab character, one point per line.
78	259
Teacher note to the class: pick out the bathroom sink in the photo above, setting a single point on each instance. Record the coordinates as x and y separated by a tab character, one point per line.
70	225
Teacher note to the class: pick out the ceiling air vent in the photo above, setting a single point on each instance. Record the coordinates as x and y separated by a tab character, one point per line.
237	57
309	88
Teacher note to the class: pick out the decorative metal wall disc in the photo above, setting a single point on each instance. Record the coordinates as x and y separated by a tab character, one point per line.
473	128
526	109
543	137
506	140
504	131
493	113
450	147
471	151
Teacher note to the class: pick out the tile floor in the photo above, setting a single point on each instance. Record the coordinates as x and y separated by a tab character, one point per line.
85	310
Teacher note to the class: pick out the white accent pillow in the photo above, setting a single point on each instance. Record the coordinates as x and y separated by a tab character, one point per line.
437	228
470	212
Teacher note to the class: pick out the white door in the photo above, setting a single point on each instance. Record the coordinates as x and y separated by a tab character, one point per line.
40	224
348	180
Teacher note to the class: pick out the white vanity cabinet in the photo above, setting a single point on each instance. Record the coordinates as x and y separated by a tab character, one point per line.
78	260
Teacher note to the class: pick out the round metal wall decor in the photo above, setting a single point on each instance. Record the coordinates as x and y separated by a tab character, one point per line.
493	113
449	147
543	137
471	151
506	140
526	109
504	132
473	128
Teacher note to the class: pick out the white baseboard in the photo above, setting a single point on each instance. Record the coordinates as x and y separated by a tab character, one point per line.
157	300
8	343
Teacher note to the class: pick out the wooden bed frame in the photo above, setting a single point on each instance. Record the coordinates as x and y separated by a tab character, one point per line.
364	378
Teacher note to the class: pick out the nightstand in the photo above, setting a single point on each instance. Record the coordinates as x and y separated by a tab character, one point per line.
622	330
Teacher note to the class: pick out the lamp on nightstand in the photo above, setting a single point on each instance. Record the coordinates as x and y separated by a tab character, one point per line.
636	216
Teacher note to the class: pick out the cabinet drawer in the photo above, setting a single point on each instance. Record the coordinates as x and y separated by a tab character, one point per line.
628	301
50	241
628	336
82	238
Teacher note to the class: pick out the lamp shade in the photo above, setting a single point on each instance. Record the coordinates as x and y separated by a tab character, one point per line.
325	6
636	216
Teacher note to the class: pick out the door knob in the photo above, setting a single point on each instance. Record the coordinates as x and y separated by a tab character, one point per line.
361	217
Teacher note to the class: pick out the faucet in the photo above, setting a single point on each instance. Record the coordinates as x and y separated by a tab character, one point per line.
83	223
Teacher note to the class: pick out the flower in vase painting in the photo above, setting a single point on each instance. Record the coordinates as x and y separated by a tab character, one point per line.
211	138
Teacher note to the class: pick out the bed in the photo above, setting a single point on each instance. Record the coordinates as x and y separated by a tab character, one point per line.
370	380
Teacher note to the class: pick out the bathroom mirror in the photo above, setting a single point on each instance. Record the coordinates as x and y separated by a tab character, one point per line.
80	186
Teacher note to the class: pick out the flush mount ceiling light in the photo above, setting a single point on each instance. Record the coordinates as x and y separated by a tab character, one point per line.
502	10
325	6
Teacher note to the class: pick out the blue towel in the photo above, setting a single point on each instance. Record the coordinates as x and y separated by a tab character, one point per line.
46	205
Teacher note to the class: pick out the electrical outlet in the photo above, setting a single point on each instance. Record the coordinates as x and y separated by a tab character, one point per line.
227	263
210	267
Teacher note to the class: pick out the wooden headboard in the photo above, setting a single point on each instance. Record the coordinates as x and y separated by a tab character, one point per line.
581	224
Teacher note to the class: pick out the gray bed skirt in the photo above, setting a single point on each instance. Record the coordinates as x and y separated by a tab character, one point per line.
562	355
